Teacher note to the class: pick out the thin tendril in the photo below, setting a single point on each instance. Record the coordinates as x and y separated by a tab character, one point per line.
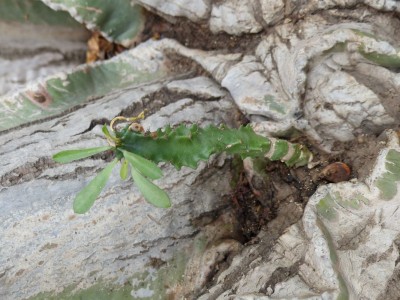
125	119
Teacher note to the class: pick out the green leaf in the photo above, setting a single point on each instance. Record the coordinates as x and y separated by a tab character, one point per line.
34	12
144	166
106	132
119	20
64	91
188	145
124	169
152	193
71	155
86	197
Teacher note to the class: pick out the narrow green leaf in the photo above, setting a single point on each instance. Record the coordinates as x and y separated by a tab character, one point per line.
108	134
86	197
144	166
105	131
152	193
124	169
71	155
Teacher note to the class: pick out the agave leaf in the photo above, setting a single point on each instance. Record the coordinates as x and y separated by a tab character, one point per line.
34	12
152	193
119	21
94	80
71	155
124	169
86	197
144	166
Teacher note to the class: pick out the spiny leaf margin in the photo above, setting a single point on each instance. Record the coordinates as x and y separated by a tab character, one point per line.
188	145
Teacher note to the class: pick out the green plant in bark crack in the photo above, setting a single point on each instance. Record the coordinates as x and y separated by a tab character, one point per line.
140	151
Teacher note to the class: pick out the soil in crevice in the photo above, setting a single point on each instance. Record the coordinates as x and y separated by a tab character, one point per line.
197	36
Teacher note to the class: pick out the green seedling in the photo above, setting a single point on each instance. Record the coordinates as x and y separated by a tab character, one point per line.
141	151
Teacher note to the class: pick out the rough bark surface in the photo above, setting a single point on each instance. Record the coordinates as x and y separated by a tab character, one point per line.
327	69
46	247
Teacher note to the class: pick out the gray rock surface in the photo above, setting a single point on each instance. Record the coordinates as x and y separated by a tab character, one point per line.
280	88
33	52
345	245
241	17
233	16
193	10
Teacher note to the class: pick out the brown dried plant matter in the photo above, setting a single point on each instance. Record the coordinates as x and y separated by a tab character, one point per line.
100	49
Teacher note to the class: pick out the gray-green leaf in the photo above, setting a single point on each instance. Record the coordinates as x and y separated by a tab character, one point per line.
152	193
144	166
71	155
86	197
121	21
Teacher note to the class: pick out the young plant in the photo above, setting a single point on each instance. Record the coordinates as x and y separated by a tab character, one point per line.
181	146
